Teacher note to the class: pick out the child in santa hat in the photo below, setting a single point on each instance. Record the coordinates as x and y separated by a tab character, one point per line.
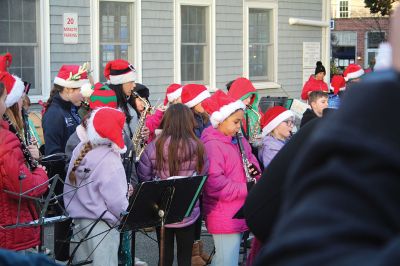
226	187
173	94
243	89
192	96
96	187
121	77
176	152
315	82
277	124
13	166
60	120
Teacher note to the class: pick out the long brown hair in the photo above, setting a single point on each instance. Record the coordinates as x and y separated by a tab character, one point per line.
177	125
15	117
86	148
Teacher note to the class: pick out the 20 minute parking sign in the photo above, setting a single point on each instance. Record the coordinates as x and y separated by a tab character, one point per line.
70	28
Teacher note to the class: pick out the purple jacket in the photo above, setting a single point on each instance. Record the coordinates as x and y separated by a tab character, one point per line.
105	188
146	172
269	149
225	190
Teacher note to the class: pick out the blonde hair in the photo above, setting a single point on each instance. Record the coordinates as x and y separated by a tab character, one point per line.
86	148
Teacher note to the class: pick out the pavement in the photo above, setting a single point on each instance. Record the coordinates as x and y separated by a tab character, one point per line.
146	246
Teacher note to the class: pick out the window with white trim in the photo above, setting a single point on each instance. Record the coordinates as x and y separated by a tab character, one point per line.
19	35
195	47
116	32
344	9
260	60
374	38
261	46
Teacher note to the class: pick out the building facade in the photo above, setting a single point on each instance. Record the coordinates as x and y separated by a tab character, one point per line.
356	34
183	41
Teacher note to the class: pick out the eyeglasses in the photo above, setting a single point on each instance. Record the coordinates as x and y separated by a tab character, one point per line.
290	123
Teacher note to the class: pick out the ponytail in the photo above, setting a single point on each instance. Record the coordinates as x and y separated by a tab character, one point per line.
56	89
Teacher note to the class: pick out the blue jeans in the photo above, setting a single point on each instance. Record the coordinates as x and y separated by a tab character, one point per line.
227	248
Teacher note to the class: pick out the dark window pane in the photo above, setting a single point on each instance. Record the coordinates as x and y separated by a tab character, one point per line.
28	56
194	39
4	11
259	44
29	34
375	38
28	74
115	28
16	32
4	32
15	9
29	10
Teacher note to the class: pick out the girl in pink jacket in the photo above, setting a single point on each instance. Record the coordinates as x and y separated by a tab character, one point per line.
225	190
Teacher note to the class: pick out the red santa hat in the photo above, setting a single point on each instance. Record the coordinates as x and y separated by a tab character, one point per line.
5	62
119	71
14	87
353	71
72	76
338	84
220	106
273	117
174	91
105	126
193	94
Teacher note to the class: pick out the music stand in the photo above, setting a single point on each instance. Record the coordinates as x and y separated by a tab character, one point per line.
156	203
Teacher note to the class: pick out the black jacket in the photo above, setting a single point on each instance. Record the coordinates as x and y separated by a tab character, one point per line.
308	115
342	201
264	201
59	123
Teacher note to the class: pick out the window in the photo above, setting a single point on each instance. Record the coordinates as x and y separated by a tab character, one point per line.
373	40
260	45
195	47
115	33
19	24
344	9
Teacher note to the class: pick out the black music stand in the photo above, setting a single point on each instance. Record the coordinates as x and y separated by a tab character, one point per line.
161	202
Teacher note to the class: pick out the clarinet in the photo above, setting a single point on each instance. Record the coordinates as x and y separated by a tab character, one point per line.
249	179
31	162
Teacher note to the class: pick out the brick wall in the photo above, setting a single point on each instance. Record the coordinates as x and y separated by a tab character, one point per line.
361	26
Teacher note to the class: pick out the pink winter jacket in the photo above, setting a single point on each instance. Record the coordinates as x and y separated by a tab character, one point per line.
225	190
152	123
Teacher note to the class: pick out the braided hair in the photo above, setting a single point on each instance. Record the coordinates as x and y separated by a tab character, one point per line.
86	148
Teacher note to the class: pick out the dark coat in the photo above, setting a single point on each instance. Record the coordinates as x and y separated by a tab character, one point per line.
342	201
308	115
59	123
264	201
